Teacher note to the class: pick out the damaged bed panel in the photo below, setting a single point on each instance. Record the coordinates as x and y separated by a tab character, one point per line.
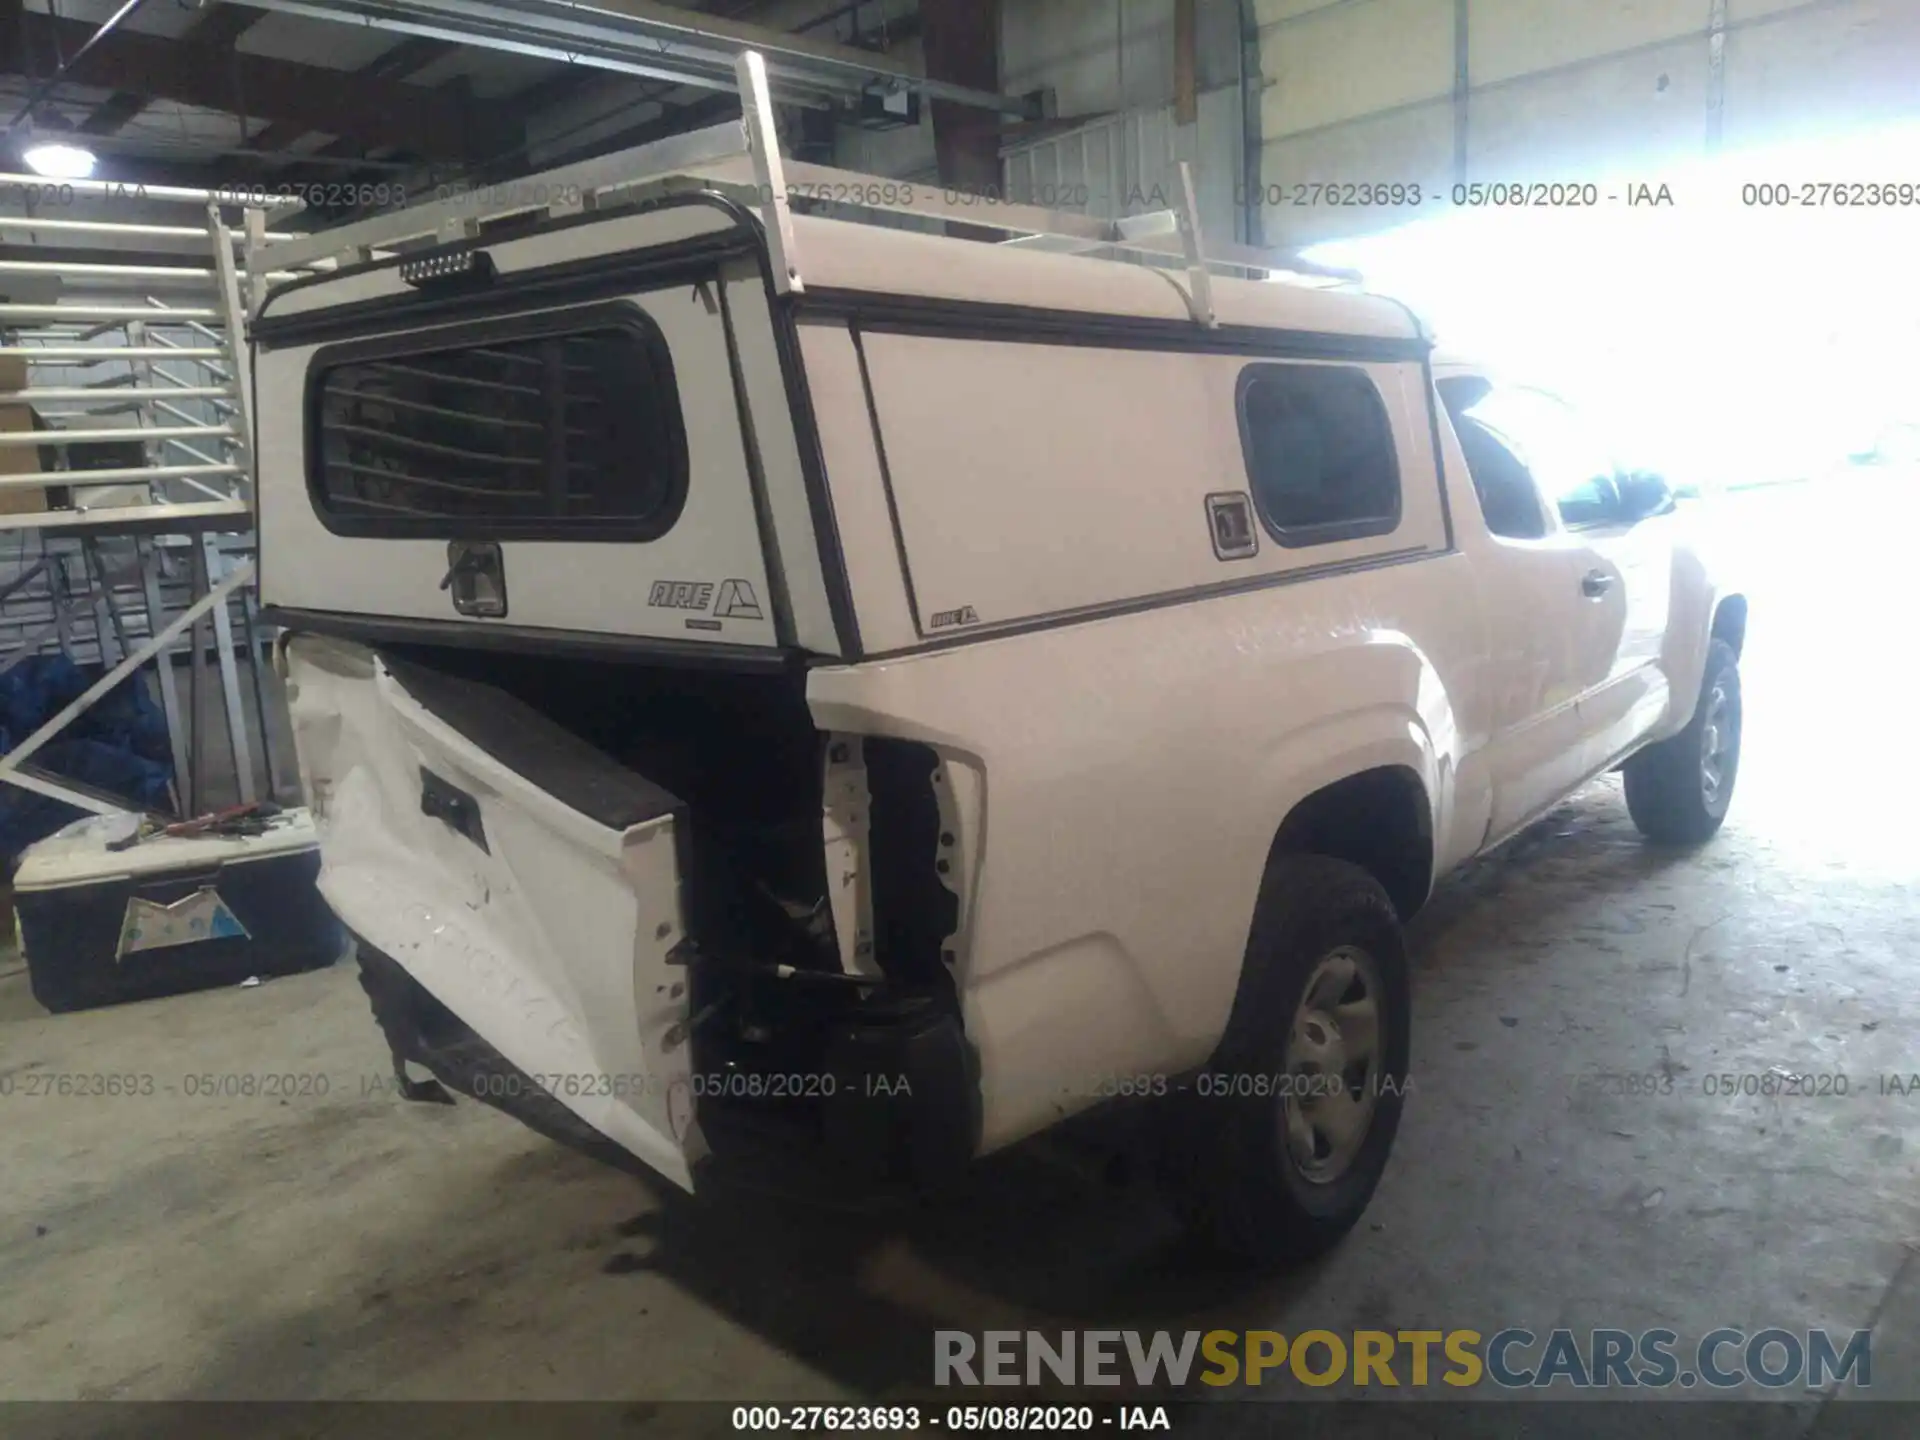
646	905
548	928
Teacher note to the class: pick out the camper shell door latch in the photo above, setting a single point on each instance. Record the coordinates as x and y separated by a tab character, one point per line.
477	576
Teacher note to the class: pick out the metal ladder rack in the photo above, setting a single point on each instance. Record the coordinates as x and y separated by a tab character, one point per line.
741	158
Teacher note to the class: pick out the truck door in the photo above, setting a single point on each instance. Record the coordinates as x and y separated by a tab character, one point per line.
1629	583
1549	641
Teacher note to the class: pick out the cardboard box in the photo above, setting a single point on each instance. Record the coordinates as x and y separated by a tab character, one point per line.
127	454
19	460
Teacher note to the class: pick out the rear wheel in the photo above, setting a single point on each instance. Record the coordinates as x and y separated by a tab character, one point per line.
1277	1148
1678	790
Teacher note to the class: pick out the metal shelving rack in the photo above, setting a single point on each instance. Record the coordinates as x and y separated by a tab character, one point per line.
146	561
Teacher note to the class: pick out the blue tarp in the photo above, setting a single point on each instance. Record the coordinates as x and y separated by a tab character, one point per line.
118	745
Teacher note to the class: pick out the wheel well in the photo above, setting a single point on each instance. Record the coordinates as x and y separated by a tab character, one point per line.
1730	622
1379	820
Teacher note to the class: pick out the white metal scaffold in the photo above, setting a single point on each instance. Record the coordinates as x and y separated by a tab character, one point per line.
126	473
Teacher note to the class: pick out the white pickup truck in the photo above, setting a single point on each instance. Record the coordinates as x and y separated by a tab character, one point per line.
782	694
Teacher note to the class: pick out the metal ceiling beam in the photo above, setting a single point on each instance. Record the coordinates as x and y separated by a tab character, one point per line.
673	26
218	27
344	154
377	111
405	59
661	42
113	112
63	61
708	110
514	36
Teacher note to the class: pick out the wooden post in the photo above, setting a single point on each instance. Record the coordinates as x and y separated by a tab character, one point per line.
1186	85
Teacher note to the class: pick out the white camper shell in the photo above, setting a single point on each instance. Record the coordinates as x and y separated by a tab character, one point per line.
775	687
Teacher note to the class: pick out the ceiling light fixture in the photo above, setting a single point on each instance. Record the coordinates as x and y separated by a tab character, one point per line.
60	162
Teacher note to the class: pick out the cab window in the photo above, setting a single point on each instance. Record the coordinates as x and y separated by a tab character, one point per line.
1555	444
1509	498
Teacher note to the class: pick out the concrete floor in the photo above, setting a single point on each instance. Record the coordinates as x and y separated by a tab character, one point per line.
351	1246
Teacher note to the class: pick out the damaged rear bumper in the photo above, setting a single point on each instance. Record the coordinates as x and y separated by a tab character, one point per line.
892	1109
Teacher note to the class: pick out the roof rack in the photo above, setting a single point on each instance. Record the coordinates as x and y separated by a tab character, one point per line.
741	158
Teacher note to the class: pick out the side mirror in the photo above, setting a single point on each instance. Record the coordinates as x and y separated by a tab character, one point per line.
1644	494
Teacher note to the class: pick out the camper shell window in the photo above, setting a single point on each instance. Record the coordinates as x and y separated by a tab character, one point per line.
543	429
1319	453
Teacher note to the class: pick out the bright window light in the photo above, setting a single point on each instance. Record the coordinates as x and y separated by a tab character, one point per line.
60	162
1739	333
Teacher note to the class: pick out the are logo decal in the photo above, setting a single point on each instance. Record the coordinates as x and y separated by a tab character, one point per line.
680	594
944	619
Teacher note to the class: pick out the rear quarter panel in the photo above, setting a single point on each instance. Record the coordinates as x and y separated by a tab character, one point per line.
1135	771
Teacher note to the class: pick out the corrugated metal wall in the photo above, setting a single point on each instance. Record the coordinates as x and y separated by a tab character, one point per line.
1130	163
1420	92
1112	62
1433	91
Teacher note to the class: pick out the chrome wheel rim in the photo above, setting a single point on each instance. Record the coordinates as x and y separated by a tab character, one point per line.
1333	1065
1716	745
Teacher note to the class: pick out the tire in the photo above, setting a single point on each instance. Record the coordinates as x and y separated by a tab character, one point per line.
1234	1176
1678	790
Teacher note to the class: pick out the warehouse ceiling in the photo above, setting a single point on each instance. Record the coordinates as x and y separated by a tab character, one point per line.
1363	95
287	92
